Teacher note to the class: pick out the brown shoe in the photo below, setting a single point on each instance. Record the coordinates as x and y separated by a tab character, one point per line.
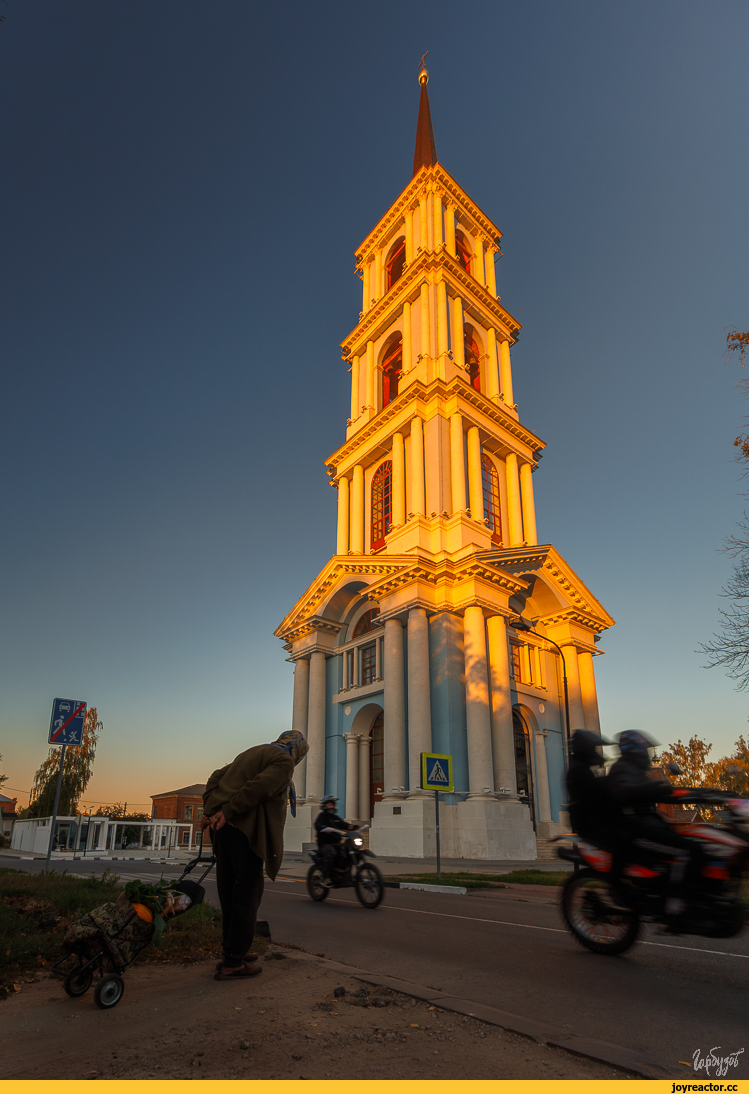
249	958
242	972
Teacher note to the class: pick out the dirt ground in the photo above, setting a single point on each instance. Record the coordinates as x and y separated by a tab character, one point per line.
177	1022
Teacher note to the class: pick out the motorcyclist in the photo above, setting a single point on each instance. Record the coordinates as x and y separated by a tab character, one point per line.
329	842
637	795
594	814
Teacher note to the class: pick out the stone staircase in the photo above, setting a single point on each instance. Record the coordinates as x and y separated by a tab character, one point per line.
546	850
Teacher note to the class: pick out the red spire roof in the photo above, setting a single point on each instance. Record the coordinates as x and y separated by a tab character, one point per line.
426	153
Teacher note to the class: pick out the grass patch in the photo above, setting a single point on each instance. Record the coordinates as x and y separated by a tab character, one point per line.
37	909
537	877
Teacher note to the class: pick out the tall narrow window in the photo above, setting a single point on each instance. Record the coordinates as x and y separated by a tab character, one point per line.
382	504
472	355
392	365
396	262
515	671
490	484
463	251
368	663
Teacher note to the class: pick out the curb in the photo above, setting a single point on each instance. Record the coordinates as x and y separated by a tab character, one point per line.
650	1067
456	890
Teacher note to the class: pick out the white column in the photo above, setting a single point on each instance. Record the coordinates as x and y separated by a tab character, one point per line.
503	734
491	273
426	341
355	396
370	392
514	514
588	691
365	744
399	481
316	727
542	778
423	234
492	367
457	464
441	318
408	353
437	211
419	701
478	717
450	228
366	295
409	228
300	711
417	467
475	489
529	509
356	539
479	271
394	721
355	667
577	714
343	516
458	342
377	293
344	671
505	372
352	776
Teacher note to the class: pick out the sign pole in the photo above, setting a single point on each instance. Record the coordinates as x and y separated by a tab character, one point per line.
54	808
437	820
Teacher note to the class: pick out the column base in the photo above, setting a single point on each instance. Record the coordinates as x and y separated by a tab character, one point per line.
410	833
491	829
300	829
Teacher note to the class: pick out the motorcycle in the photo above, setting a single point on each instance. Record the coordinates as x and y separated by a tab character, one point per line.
715	910
351	870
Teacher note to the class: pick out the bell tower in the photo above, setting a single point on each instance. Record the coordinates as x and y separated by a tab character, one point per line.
402	644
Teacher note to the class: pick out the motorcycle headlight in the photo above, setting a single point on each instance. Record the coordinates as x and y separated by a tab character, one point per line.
358	842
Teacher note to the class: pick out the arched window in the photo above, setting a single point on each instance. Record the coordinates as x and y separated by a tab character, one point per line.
490	484
366	623
463	251
382	504
396	262
472	354
392	366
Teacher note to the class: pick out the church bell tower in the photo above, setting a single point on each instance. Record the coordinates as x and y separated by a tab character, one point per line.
405	642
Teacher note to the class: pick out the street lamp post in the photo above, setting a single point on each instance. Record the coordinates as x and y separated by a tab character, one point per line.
526	628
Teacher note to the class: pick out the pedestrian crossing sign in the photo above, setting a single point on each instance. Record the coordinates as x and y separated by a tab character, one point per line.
436	772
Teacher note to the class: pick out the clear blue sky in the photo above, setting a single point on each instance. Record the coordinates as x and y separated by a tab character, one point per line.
185	185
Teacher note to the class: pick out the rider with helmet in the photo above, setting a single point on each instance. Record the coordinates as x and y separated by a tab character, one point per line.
637	795
594	814
329	842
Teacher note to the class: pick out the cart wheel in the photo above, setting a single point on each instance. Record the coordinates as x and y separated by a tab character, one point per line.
78	983
108	991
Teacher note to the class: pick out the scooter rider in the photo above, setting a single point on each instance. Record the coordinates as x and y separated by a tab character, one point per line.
329	842
637	795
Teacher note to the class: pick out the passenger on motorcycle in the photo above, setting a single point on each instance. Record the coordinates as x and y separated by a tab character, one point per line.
594	814
329	842
637	795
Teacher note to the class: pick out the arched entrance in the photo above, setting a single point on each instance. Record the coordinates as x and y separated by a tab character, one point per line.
368	753
523	762
377	762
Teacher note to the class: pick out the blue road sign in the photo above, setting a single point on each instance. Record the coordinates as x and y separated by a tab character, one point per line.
436	771
66	723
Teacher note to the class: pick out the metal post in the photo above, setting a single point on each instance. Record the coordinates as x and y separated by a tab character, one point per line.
88	833
54	808
437	824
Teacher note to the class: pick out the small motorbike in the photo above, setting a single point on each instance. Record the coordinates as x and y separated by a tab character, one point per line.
715	910
351	871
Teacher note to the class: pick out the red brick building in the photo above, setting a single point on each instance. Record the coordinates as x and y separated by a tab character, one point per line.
7	814
185	804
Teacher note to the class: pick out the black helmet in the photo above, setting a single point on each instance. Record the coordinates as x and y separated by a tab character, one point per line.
585	743
632	740
328	799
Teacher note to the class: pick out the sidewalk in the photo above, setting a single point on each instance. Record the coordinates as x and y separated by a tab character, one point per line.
102	856
296	864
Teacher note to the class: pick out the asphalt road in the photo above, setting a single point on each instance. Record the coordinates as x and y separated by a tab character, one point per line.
508	949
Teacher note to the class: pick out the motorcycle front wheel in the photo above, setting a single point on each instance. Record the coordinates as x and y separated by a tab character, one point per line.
593	919
370	888
315	886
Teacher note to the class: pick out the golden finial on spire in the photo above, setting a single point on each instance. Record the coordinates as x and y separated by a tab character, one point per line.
423	74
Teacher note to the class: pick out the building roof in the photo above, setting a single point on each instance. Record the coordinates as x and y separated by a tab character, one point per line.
426	151
194	791
4	799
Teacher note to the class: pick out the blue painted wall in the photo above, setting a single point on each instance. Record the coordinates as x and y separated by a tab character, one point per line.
447	691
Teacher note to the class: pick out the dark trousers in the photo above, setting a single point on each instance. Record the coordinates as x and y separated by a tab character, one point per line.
650	831
329	856
239	880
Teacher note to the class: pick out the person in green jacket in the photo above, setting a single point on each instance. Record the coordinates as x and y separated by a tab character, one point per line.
244	805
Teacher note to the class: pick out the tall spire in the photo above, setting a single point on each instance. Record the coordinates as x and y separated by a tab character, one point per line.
426	153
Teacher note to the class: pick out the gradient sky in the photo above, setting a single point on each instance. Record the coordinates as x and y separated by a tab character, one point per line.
185	185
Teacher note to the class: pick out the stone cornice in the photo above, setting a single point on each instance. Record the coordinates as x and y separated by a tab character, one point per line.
376	320
426	179
417	392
